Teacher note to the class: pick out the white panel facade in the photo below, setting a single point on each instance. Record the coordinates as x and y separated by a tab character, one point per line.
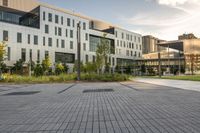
127	44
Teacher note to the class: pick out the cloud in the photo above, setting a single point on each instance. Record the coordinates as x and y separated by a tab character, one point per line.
176	2
169	19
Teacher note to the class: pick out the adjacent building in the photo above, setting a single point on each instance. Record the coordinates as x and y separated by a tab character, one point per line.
34	30
149	44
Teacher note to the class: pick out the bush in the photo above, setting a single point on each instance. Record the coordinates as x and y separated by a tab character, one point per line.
59	68
38	70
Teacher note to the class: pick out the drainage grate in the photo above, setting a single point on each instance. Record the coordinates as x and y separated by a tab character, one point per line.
22	93
98	90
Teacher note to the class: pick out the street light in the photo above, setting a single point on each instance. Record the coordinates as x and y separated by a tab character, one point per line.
79	51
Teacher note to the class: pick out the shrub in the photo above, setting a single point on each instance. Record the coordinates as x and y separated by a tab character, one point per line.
59	68
38	70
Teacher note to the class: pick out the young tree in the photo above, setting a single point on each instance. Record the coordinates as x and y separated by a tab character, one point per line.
38	70
46	63
59	68
2	56
90	67
102	52
18	66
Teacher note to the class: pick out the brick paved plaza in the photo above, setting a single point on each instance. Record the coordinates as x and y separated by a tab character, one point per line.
130	107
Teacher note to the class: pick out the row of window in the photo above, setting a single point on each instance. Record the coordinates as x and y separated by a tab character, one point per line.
129	53
58	32
128	45
60	20
128	37
35	40
19	37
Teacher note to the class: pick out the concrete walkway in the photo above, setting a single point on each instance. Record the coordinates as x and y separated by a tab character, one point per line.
182	84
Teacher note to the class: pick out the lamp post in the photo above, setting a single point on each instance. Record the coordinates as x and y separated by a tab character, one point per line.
78	52
159	62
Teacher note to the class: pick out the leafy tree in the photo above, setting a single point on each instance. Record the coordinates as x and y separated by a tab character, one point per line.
46	63
59	68
76	66
90	67
102	52
2	56
66	68
107	67
38	70
18	66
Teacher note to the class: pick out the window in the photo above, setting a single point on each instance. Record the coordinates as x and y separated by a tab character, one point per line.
71	45
50	42
127	52
135	54
56	19
93	59
29	38
60	31
133	45
122	35
5	2
5	35
50	17
115	33
73	23
57	43
71	33
47	29
23	54
68	22
9	52
86	36
46	54
84	26
19	37
38	55
44	41
131	53
63	44
84	46
56	31
30	54
44	16
86	58
62	20
66	32
118	43
36	40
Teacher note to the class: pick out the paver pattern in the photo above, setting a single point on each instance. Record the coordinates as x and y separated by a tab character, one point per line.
131	107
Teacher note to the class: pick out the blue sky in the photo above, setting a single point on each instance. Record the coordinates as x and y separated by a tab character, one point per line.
165	19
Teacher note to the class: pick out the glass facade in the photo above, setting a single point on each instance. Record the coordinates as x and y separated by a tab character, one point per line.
31	19
95	41
64	57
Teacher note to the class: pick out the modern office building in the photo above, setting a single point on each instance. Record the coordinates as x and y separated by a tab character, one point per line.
180	56
34	30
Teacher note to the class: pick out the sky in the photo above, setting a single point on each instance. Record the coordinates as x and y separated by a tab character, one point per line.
165	19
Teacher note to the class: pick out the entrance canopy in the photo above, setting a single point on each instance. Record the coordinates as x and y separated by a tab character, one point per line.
177	45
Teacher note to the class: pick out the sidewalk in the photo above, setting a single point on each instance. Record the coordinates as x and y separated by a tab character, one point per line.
182	84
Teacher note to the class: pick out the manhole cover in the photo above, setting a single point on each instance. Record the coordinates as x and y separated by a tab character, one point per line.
98	90
22	93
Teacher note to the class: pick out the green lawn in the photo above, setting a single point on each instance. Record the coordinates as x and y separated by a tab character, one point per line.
182	77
